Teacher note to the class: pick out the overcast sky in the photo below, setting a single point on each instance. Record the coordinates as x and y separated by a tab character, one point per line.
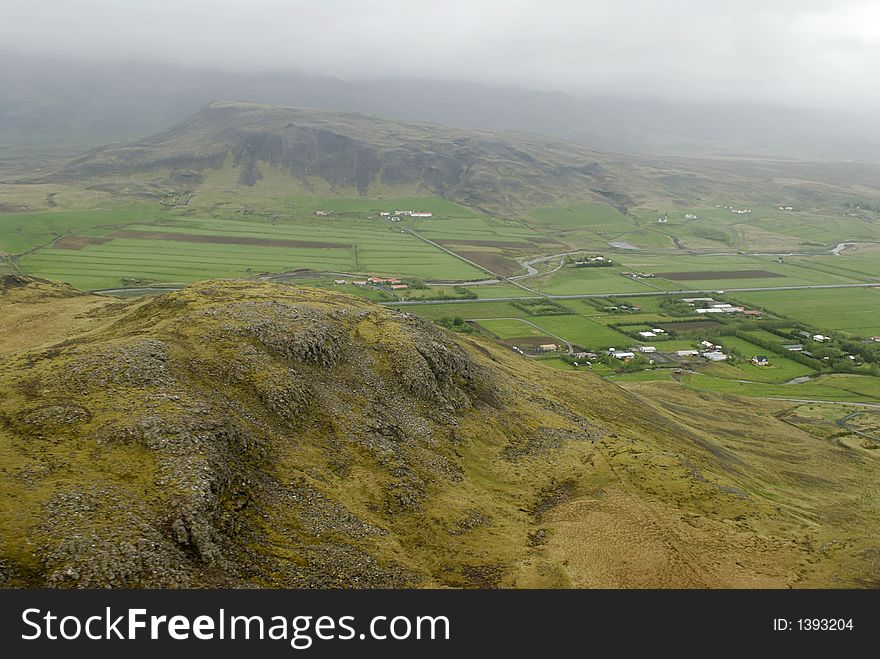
823	53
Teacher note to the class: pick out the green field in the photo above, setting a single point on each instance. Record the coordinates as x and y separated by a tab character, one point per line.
853	310
475	228
580	281
583	332
271	229
230	248
856	388
765	229
20	232
580	215
832	387
574	328
465	310
510	329
783	274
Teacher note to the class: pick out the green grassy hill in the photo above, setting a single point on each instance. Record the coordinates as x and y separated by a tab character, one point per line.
242	434
346	154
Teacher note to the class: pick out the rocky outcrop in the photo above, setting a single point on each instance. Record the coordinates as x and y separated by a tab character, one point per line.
237	412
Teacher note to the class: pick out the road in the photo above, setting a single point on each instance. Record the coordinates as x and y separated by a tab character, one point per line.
644	294
530	323
469	262
532	271
842	423
10	260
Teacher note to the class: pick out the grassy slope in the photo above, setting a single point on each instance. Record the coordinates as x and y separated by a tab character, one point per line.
656	487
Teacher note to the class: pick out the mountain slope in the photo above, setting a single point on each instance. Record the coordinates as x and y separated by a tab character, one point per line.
235	433
260	152
355	155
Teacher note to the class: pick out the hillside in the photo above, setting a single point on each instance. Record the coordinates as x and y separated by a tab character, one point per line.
352	155
243	434
259	152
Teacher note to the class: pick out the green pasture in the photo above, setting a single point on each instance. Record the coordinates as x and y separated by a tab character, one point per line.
365	247
580	215
852	310
581	281
510	329
847	388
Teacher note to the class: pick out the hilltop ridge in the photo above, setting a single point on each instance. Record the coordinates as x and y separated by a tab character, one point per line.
235	433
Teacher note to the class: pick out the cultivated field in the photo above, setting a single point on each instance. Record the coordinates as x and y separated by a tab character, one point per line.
106	249
853	310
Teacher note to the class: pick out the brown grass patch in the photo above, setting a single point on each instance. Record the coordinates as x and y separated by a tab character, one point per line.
718	274
78	242
494	262
227	240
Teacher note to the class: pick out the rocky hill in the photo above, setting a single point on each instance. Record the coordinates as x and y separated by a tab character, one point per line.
242	434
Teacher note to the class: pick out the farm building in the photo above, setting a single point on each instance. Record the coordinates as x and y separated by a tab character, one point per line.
339	282
398	287
548	347
624	355
820	338
420	214
793	347
710	310
647	349
687	353
715	356
760	360
647	335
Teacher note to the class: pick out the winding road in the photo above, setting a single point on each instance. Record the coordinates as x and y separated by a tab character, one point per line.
843	424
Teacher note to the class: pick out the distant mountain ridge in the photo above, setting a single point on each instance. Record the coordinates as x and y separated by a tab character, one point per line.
88	104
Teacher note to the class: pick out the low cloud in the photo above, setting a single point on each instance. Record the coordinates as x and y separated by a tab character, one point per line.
801	53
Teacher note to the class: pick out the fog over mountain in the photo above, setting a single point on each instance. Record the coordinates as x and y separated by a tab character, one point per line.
747	78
